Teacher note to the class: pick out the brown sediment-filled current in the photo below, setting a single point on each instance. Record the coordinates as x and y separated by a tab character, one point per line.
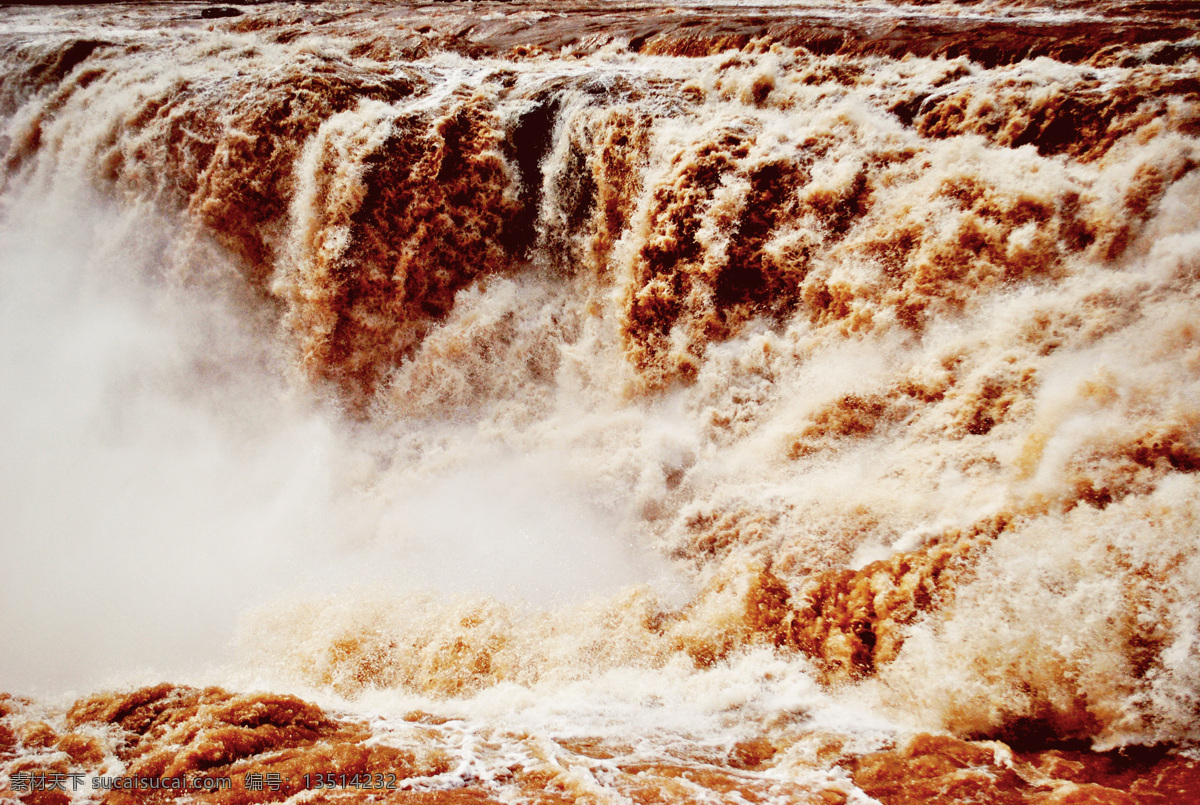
541	402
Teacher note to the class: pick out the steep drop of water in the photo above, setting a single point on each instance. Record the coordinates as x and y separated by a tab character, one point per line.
722	390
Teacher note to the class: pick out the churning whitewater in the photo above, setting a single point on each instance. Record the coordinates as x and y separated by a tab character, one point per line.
579	402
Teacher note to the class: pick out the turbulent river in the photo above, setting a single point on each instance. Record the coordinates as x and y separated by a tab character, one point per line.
542	402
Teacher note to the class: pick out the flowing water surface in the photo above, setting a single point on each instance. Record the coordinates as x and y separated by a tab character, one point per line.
600	402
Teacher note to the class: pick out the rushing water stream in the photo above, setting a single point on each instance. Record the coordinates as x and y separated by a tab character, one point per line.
543	402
